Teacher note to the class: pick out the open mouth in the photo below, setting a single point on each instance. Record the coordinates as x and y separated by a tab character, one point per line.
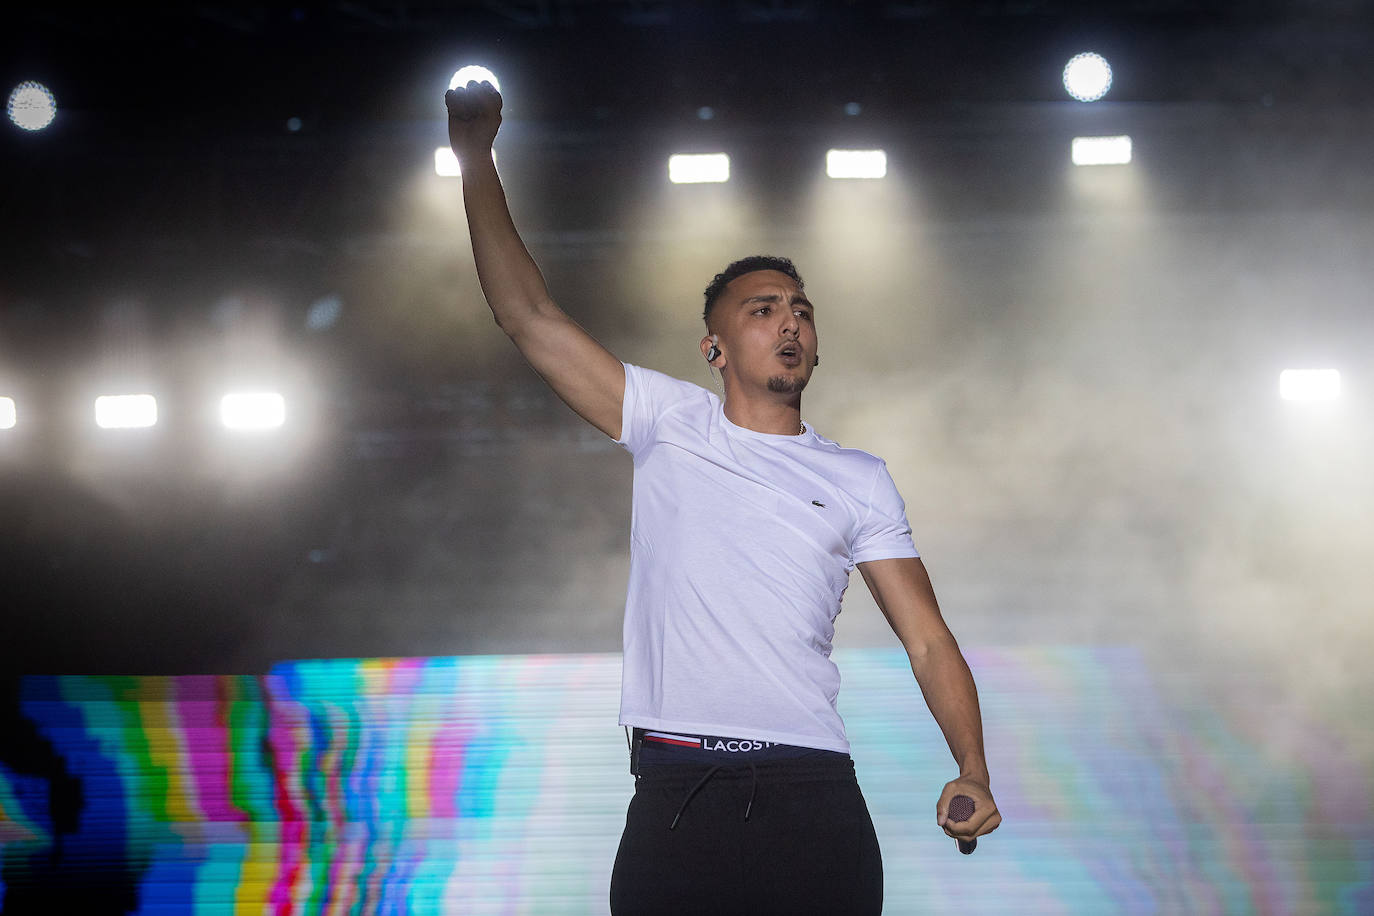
790	354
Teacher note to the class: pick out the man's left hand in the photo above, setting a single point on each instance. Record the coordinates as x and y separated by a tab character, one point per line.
985	818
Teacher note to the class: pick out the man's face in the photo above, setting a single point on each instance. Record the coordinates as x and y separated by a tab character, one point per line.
767	332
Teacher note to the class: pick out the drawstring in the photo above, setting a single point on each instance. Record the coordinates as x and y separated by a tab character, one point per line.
753	788
694	790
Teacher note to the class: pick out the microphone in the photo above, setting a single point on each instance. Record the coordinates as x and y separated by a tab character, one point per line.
960	810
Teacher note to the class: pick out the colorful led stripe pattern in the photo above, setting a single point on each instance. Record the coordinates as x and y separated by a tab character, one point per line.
498	784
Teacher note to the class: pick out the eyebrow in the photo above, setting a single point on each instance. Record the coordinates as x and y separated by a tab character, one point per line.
798	299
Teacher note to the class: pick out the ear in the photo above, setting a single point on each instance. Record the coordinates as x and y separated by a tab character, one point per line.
707	342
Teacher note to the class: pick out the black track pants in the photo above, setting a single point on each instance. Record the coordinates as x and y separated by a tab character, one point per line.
808	845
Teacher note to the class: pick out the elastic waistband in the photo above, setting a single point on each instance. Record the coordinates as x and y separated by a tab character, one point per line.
650	747
800	769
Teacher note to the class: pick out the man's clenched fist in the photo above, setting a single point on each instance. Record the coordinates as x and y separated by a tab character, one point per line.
474	116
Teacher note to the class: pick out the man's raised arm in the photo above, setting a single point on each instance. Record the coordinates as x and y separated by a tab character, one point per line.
580	371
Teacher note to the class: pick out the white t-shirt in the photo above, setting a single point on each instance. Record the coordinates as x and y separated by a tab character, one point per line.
741	545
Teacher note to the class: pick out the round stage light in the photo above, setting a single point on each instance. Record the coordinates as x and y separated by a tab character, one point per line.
472	73
325	311
32	106
1087	76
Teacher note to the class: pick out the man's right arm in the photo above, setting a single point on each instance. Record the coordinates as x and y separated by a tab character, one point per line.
583	373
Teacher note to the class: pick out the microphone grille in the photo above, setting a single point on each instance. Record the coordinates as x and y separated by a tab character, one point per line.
960	808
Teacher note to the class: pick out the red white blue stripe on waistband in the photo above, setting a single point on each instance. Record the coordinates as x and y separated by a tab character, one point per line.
676	740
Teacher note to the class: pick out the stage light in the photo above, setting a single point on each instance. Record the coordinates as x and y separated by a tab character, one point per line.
32	106
446	163
252	410
1087	77
474	73
856	163
1101	150
698	168
324	312
8	415
1309	384
125	411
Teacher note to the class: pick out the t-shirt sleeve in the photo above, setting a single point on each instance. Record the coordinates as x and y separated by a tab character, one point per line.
648	395
884	533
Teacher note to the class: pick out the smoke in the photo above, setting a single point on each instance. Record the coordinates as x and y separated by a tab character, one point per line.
1079	408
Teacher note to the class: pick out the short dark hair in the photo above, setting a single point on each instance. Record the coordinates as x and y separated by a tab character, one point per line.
740	268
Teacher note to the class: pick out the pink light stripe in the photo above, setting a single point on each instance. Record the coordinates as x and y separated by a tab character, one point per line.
446	767
202	704
286	722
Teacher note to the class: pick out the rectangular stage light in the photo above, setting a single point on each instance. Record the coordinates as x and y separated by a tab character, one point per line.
856	163
252	410
8	415
446	164
1101	150
1309	384
125	411
698	168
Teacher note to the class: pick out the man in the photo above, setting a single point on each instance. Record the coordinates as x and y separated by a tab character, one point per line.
746	526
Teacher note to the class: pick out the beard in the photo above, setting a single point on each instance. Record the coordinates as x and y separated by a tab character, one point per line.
787	384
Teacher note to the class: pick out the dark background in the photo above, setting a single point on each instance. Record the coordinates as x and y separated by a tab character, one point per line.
1072	373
